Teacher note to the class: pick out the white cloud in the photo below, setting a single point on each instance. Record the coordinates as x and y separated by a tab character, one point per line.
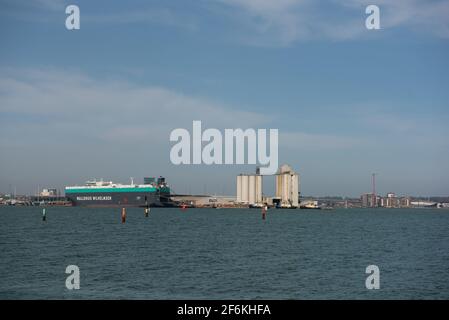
65	126
267	22
70	106
287	21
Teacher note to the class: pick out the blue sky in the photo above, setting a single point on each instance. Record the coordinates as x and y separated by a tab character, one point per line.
101	101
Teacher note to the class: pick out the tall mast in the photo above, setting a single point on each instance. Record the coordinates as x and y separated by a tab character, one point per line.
374	198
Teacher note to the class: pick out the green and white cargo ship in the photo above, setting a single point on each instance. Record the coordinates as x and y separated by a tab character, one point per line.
152	193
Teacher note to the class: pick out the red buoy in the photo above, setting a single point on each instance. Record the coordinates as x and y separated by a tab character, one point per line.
123	215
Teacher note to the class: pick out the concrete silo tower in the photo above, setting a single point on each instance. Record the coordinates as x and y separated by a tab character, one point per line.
287	187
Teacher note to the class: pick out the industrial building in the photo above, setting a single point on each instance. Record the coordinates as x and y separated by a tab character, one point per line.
204	201
249	189
287	187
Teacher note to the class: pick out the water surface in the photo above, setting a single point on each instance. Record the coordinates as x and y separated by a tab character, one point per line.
224	254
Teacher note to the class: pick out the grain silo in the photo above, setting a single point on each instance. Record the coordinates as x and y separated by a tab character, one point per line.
258	197
249	189
287	187
252	189
245	188
239	188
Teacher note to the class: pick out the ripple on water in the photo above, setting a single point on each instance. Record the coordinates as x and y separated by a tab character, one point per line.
224	254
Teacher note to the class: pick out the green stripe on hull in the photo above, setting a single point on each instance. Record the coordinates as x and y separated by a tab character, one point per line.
110	190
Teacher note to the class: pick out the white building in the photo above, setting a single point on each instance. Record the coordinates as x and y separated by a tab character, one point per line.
249	189
287	187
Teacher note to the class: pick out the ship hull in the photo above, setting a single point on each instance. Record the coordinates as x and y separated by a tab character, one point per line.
119	199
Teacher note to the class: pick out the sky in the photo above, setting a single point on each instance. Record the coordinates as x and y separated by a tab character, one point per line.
101	101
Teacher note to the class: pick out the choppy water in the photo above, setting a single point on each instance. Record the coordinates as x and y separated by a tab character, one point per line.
224	254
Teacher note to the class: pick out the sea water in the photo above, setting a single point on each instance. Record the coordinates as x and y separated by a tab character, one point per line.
223	254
